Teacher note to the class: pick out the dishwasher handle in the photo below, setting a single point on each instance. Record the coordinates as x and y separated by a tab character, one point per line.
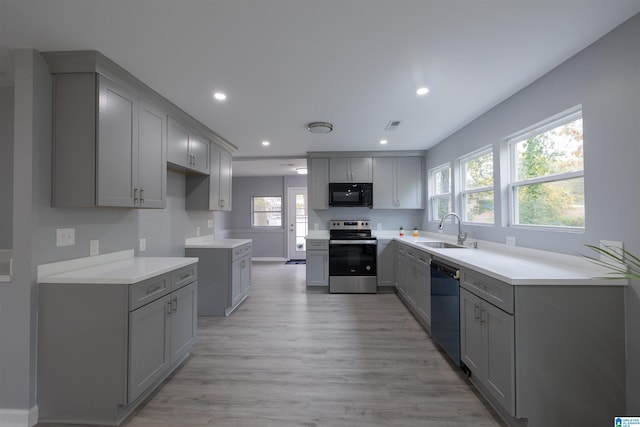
445	269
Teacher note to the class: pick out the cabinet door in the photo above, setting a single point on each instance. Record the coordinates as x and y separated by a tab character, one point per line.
386	263
116	145
177	144
384	194
236	282
471	332
408	186
319	184
225	181
199	153
183	321
361	169
423	291
149	355
317	268
245	275
402	273
339	170
499	356
152	164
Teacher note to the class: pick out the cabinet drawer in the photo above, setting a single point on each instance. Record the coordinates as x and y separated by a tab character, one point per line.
184	276
241	251
317	245
492	290
144	292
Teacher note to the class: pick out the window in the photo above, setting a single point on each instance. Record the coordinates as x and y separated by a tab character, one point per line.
267	211
440	179
547	174
476	191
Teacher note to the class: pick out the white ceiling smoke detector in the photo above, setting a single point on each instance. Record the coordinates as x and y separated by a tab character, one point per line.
319	127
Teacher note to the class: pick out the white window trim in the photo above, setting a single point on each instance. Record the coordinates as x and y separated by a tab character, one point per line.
463	192
253	211
556	120
432	189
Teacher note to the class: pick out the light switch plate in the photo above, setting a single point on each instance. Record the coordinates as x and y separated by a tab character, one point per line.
94	247
65	236
197	231
379	226
210	223
143	244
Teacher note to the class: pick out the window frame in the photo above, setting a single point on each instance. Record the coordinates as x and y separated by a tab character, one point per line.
463	191
552	122
253	212
433	192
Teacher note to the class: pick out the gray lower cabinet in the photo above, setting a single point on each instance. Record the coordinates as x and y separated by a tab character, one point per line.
317	264
102	348
225	278
386	263
413	278
109	145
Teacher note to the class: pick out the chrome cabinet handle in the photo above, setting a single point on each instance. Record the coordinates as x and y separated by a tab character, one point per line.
482	310
141	195
169	307
135	195
174	304
476	311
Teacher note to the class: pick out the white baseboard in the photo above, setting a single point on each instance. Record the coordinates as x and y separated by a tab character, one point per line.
19	417
268	259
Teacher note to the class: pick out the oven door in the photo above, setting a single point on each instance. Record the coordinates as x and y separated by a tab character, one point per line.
352	257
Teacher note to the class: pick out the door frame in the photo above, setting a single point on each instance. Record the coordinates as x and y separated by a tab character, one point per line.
291	217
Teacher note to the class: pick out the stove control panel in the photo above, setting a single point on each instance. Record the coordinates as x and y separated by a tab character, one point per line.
362	224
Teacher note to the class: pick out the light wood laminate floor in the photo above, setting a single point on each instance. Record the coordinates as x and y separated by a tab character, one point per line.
286	357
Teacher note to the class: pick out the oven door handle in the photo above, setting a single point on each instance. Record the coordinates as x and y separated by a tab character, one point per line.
353	242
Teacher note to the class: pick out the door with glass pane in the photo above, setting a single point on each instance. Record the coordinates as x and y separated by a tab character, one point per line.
297	221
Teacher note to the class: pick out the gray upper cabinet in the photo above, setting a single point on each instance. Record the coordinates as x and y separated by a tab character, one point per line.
103	156
318	182
187	148
350	169
212	192
397	183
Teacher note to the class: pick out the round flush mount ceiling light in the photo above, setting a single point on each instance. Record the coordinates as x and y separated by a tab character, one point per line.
422	91
220	96
266	143
319	127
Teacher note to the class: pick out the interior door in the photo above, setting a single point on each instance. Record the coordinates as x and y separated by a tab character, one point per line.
297	206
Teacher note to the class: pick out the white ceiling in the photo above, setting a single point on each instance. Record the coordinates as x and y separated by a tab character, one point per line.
354	63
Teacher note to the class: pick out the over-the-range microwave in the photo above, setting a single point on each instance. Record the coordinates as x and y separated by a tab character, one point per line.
350	194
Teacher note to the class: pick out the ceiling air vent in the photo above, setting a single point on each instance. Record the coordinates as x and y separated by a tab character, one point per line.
393	125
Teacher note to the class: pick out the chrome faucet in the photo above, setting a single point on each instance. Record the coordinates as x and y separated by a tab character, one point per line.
461	237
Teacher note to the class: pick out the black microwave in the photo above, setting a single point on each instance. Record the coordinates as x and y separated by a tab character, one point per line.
350	194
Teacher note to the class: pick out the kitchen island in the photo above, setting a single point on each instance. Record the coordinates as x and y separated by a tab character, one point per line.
111	328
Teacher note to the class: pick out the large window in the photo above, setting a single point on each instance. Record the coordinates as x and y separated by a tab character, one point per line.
547	174
476	192
440	179
267	211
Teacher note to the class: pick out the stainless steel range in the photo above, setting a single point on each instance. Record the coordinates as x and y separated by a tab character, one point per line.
352	257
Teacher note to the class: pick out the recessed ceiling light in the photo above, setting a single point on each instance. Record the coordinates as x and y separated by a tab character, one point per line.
220	96
383	141
266	143
422	91
301	171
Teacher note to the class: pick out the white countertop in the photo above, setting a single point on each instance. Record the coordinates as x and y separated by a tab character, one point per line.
115	268
208	241
513	265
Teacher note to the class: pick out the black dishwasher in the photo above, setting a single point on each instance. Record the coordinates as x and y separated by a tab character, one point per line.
445	308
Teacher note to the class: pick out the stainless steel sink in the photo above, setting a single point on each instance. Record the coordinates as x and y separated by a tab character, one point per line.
440	245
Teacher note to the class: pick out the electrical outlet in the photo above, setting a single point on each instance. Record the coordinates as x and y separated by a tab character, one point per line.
614	244
143	244
316	226
511	240
379	226
197	231
210	223
94	247
65	236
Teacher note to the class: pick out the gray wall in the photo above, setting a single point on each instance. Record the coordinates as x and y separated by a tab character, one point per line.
267	243
35	223
605	79
6	167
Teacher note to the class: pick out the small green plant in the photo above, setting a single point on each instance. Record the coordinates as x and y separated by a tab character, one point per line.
621	263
